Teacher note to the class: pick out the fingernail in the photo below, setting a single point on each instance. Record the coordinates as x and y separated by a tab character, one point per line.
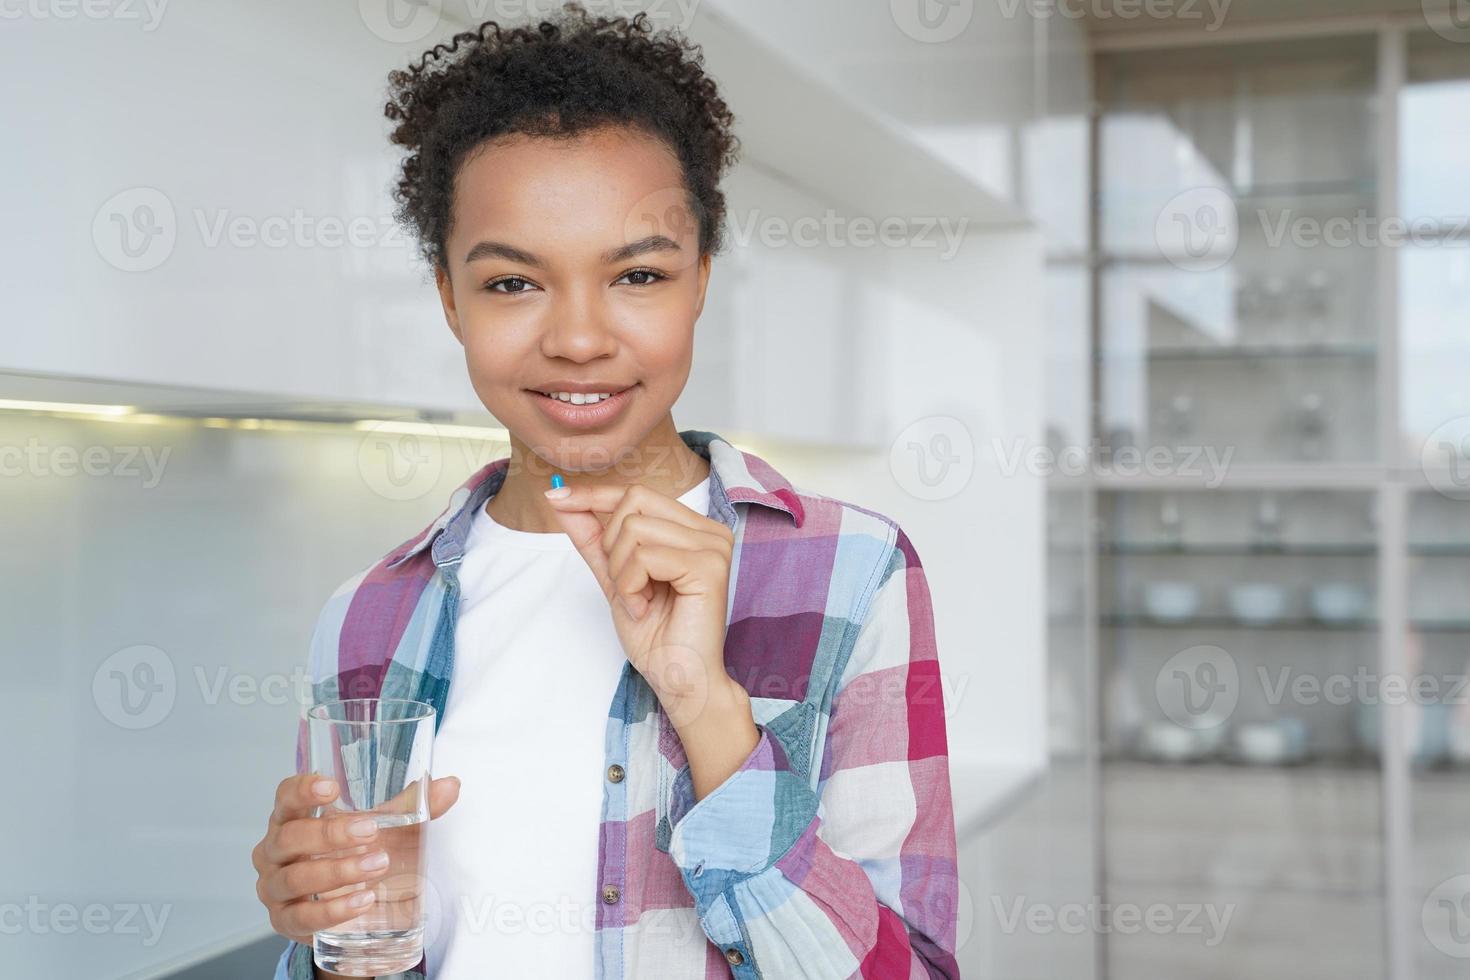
323	787
373	862
360	899
362	828
556	493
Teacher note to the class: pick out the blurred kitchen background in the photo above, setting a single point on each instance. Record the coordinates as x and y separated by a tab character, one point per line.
1148	319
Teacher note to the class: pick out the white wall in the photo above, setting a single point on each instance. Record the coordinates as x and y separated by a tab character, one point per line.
155	631
978	385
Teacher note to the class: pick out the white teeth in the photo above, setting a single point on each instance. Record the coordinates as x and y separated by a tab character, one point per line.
577	398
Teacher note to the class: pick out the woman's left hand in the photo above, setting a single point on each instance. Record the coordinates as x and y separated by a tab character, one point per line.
666	573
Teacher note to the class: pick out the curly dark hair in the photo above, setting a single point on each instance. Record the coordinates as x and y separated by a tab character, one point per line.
558	78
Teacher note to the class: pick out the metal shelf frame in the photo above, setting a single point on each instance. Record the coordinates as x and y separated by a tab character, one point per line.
1391	477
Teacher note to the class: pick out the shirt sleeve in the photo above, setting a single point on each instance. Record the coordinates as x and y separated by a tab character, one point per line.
295	962
857	879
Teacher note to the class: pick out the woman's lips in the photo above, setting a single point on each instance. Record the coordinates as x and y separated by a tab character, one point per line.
583	416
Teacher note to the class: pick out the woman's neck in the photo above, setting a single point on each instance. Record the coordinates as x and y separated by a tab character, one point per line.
663	462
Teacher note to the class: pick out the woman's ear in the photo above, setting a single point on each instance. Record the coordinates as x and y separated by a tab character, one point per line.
446	297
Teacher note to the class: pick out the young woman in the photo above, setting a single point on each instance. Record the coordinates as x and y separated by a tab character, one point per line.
692	711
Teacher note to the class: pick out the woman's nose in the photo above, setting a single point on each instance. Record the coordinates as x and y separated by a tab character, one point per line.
578	329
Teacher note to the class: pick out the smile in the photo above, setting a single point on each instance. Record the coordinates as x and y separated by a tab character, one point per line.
583	410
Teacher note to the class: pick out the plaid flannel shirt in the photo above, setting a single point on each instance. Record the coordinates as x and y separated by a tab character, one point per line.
830	852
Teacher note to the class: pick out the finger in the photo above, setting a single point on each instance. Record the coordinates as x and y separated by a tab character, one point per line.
686	572
305	917
296	796
647	502
442	795
603	499
578	513
311	836
409	799
312	876
641	529
619	502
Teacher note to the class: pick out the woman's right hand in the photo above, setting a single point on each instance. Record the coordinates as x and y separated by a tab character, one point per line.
290	872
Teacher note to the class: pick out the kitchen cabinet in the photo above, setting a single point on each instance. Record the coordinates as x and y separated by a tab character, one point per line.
225	263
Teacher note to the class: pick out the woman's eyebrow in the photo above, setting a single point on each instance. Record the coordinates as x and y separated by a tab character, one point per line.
491	249
652	243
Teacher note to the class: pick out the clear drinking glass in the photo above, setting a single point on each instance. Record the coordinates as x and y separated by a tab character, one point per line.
377	751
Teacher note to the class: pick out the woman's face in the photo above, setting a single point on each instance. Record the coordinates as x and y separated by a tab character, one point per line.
569	263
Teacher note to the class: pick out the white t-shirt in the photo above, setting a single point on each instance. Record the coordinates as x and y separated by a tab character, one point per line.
512	867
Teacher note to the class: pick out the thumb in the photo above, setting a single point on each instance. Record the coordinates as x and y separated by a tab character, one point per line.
442	795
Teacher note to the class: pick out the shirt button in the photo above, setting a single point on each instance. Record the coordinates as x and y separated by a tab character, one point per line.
615	773
733	957
610	894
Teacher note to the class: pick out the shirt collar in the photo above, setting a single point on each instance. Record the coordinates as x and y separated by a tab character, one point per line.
736	477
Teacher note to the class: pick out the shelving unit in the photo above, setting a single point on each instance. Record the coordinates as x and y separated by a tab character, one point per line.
1293	550
1225	623
1321	370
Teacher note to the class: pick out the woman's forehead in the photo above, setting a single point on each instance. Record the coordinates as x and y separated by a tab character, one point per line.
593	192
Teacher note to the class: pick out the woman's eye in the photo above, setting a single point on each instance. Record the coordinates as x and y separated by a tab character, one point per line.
516	284
520	284
649	276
